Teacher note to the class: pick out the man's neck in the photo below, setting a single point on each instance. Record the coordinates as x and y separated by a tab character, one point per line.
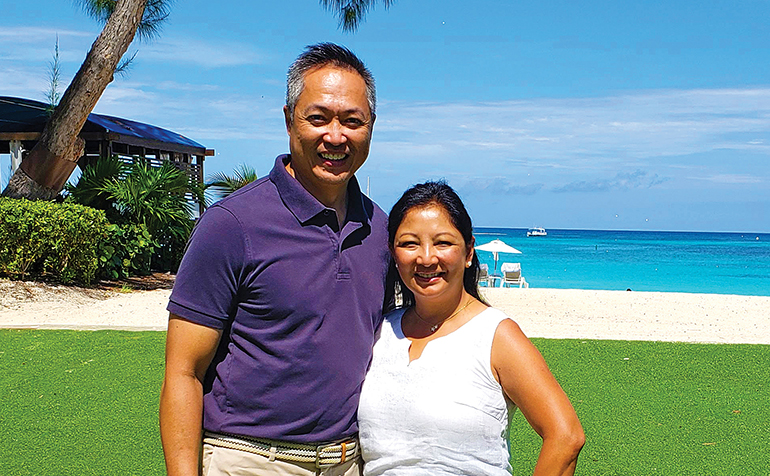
331	196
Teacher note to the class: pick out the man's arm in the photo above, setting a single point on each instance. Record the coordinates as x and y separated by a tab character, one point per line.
189	350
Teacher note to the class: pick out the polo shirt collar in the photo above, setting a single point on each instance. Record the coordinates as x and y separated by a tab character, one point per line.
305	206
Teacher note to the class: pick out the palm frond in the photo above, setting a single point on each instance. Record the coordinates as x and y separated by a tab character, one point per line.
223	184
125	64
350	13
154	196
89	190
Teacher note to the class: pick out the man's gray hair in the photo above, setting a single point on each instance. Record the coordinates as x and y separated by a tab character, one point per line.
323	54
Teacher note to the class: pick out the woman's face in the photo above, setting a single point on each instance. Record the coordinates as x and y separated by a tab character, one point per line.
430	253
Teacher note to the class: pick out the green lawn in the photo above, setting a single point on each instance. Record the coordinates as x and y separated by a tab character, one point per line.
80	402
83	402
655	408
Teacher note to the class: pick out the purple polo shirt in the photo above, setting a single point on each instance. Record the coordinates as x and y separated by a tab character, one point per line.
298	302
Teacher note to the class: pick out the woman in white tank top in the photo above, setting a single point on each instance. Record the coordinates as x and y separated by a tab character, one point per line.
448	371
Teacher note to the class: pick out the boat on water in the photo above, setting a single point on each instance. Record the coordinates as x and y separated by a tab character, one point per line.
537	231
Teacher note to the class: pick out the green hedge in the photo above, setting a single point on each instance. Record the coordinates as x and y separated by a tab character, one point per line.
69	242
50	238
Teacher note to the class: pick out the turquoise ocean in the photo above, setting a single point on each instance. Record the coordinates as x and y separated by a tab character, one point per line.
690	262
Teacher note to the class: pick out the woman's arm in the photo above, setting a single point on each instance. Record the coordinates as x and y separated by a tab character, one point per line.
527	381
189	350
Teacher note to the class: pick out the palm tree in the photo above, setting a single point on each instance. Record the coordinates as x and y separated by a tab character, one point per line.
223	185
50	163
45	170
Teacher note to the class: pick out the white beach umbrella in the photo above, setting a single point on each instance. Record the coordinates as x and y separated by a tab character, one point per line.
497	246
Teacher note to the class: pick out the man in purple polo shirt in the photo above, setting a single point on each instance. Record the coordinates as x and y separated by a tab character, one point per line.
279	294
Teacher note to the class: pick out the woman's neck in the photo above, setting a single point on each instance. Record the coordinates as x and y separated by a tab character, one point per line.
436	311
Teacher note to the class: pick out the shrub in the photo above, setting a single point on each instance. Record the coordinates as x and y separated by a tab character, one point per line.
171	248
50	238
126	251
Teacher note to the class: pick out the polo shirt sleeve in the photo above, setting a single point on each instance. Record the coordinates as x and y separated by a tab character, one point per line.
207	282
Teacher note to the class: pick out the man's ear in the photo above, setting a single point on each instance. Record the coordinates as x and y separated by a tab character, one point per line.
287	119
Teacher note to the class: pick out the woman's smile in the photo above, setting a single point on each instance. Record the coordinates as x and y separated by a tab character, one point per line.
426	277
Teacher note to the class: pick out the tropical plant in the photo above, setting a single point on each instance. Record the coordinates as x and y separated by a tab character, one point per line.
50	163
155	197
158	198
223	185
154	13
90	187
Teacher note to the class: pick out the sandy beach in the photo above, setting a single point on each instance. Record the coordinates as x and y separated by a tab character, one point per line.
551	313
651	316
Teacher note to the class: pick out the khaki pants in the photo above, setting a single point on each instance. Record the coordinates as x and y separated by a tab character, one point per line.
219	461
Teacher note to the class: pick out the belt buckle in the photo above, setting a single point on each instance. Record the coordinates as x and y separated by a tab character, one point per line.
319	449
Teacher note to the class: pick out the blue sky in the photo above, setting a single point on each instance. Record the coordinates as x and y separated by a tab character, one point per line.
596	114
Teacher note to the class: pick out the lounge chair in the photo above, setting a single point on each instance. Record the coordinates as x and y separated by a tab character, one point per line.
483	274
512	275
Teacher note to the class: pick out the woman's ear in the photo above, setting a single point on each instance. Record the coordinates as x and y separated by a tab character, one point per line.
471	251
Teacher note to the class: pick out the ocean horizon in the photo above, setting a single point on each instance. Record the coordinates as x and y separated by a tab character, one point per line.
640	260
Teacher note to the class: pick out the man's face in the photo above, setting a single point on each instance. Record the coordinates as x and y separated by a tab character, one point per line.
330	131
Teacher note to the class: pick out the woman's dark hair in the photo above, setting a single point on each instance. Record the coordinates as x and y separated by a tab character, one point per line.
420	196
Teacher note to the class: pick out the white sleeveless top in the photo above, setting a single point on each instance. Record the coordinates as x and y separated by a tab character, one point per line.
442	414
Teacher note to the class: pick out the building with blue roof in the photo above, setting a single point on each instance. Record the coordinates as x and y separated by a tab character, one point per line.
22	121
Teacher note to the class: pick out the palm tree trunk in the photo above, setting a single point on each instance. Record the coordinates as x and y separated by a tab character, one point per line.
50	163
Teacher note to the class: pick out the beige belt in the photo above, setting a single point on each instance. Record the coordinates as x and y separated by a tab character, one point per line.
322	456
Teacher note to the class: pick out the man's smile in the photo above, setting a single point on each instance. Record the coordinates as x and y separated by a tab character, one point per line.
338	157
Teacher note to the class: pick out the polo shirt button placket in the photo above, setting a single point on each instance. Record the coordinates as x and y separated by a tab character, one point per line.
331	220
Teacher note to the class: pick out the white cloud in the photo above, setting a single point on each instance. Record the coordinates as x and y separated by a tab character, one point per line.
177	86
655	123
204	113
621	181
209	54
584	144
23	83
34	34
732	179
625	144
35	44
